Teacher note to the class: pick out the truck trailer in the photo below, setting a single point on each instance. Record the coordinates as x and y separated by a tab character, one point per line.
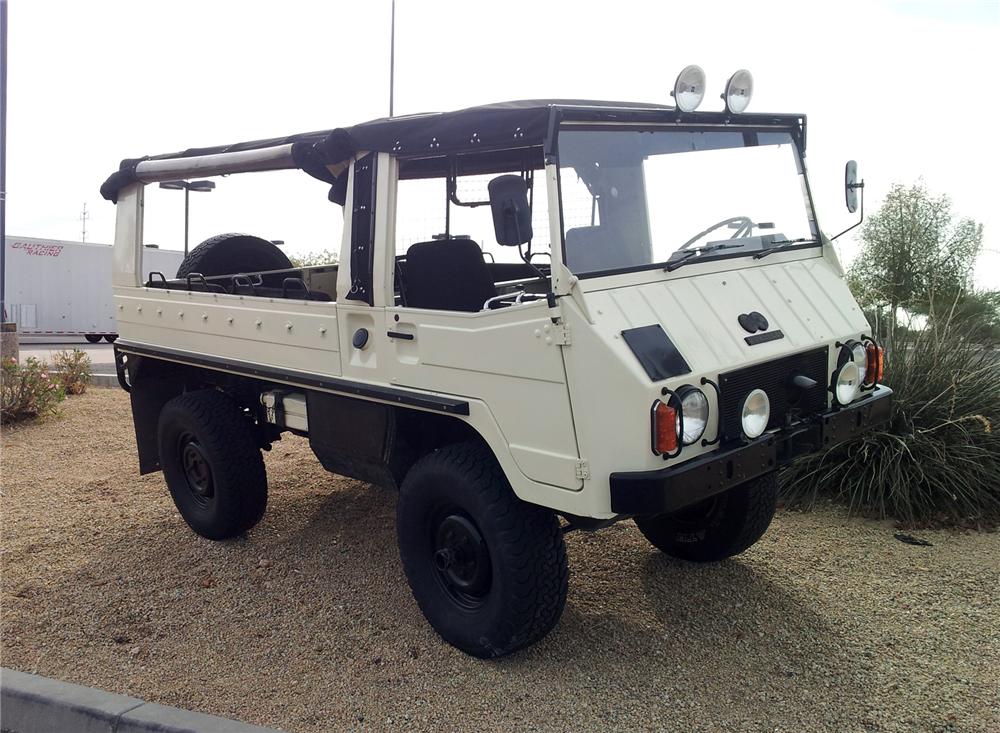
61	288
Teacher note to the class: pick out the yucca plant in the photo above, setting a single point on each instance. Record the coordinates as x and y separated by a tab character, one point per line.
937	461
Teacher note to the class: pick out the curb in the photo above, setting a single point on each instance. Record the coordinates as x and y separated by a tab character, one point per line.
30	703
104	380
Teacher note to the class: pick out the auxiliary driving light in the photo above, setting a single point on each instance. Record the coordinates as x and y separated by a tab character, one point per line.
694	407
739	89
848	383
689	89
756	413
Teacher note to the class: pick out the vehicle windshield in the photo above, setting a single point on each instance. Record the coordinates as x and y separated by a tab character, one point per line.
634	200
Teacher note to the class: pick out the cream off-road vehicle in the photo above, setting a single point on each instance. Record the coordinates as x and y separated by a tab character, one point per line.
547	316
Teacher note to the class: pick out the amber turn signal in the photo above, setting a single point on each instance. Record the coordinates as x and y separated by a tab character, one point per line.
876	357
664	428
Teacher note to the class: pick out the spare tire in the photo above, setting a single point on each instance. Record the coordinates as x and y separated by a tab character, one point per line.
230	254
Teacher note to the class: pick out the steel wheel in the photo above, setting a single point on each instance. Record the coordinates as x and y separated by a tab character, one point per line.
197	470
461	559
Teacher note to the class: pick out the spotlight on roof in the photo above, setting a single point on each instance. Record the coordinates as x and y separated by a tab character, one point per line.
689	89
739	89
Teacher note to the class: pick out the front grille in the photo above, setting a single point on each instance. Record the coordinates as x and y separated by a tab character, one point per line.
774	377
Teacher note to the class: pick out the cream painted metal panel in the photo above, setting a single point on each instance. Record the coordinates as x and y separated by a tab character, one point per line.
612	394
279	333
510	359
384	260
371	362
128	237
344	273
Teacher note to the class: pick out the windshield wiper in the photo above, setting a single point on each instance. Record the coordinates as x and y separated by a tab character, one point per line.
688	254
781	244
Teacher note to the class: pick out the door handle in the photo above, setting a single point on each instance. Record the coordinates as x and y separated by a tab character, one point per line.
400	335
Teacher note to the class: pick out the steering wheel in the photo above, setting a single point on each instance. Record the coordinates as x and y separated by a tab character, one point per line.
744	230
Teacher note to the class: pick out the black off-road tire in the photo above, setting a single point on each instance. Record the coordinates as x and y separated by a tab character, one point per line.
229	254
92	338
111	337
212	464
521	579
718	527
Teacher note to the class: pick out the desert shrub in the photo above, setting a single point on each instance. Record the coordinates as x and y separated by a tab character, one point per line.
73	370
28	390
938	459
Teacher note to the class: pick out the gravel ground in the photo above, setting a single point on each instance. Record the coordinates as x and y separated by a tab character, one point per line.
307	624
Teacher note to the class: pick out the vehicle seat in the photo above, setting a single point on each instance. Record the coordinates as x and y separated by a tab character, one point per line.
590	249
447	274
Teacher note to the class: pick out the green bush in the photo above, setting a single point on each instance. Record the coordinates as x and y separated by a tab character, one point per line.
28	390
73	370
938	459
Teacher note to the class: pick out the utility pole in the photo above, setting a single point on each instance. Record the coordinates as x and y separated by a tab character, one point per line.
83	217
187	187
3	159
392	56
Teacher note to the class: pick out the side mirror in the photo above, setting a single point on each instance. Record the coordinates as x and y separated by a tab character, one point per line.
851	185
511	213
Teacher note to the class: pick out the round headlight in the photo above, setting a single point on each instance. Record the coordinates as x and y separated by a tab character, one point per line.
689	89
756	413
694	407
859	354
739	89
848	384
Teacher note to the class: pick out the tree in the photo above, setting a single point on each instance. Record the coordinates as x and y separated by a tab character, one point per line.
322	257
913	253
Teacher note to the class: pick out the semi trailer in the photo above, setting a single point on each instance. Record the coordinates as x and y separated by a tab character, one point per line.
63	288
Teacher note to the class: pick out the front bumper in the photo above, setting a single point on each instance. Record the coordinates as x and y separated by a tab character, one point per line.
673	488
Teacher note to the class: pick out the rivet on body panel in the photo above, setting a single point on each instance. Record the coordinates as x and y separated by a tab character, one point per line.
159	311
288	326
229	320
257	323
204	316
138	308
180	314
322	330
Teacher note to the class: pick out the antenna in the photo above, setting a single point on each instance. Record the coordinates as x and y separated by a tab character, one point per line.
392	55
83	218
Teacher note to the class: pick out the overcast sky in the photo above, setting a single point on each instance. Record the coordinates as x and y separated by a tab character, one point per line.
908	88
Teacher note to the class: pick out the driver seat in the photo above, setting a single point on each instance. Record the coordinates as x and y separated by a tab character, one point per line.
448	275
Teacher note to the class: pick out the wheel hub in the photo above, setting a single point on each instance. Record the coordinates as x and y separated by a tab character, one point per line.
196	468
461	559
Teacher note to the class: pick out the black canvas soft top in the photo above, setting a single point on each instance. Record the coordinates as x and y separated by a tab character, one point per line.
497	126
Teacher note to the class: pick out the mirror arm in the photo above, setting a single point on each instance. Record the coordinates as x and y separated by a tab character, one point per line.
862	207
